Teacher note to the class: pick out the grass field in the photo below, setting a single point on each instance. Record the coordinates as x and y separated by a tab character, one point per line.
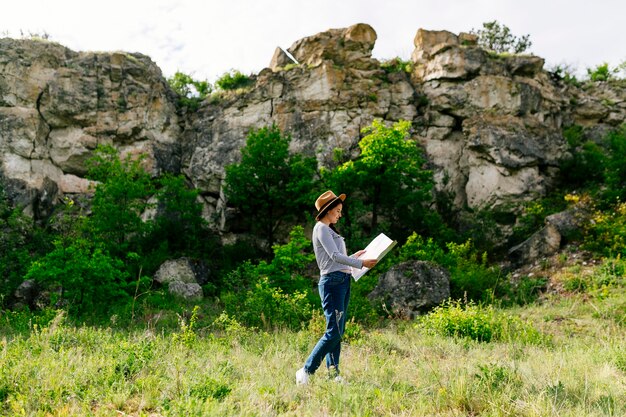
578	368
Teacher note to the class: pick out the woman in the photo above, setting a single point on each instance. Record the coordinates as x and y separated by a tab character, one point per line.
334	284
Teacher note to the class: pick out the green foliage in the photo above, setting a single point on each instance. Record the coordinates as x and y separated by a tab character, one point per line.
210	389
187	335
480	323
565	73
191	92
602	72
99	262
233	80
598	282
269	186
276	293
179	223
119	200
470	275
498	38
606	234
268	307
615	171
389	181
21	242
598	167
397	64
86	276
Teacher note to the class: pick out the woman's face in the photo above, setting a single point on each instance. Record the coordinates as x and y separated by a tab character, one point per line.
334	214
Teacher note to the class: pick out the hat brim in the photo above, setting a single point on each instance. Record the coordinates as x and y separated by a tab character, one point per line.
327	206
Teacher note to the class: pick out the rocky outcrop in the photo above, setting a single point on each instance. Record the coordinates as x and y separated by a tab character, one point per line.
57	105
490	125
412	287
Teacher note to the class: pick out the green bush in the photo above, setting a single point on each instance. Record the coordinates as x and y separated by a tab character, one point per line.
86	277
388	184
276	293
615	171
606	233
397	64
602	72
21	242
267	307
498	38
233	80
470	275
190	92
480	323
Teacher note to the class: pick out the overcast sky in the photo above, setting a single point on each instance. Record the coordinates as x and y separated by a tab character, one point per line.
207	38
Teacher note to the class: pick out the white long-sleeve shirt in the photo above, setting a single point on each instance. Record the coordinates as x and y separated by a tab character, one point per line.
330	251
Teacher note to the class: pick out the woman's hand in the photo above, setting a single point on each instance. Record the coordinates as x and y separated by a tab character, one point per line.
369	263
359	253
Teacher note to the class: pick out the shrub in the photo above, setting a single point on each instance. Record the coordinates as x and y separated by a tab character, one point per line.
602	72
267	307
606	233
498	38
191	92
615	172
470	276
397	64
233	80
480	323
276	293
389	186
21	242
87	278
119	200
588	161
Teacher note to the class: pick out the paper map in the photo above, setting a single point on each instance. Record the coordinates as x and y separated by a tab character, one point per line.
377	249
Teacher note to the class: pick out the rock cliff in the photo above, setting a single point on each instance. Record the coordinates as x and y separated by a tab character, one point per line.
491	125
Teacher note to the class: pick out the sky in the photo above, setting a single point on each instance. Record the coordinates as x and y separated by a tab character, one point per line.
208	38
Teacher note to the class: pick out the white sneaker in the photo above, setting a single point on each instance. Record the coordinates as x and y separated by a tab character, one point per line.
302	377
339	379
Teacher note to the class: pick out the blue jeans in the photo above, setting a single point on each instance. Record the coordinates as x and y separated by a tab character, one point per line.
334	291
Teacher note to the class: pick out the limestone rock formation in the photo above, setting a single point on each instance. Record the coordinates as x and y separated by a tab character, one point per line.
490	124
57	105
413	287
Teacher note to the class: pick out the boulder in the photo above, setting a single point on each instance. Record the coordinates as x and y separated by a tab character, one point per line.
27	293
352	45
545	242
568	222
187	291
412	287
183	277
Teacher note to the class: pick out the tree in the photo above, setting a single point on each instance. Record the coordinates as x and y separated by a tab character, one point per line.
179	224
120	198
390	176
498	38
269	186
190	91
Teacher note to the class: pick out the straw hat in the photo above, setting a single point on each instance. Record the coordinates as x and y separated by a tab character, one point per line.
323	203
